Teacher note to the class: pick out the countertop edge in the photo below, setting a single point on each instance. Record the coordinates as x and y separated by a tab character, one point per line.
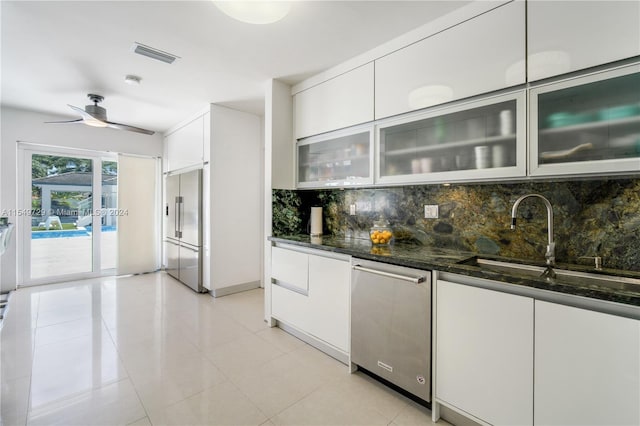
629	304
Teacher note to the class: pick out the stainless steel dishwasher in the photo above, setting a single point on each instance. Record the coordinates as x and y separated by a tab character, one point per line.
391	324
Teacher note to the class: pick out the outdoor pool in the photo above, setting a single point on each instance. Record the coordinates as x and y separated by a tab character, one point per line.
36	235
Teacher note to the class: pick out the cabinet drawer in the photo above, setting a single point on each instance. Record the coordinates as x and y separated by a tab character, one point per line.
290	307
290	268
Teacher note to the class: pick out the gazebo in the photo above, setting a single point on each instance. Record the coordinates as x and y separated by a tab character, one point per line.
77	182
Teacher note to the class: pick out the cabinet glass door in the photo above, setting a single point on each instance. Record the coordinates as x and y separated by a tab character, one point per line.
589	124
340	158
475	140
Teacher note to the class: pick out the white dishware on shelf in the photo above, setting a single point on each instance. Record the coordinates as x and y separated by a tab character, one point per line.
426	164
499	156
483	157
506	122
416	166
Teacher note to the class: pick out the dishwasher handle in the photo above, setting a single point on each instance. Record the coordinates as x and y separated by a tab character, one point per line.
416	280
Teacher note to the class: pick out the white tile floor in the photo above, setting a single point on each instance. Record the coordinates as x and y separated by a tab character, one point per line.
147	350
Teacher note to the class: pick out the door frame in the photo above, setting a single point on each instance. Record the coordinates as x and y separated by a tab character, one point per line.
23	222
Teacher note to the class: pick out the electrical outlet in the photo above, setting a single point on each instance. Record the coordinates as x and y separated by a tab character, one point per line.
431	211
352	209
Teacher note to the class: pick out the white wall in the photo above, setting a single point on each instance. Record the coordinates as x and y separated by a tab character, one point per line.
28	126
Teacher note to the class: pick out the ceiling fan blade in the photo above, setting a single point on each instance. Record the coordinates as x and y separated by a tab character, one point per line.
83	113
79	120
129	128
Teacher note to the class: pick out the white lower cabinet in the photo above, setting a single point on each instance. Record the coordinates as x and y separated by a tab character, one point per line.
587	367
484	353
329	291
323	310
290	307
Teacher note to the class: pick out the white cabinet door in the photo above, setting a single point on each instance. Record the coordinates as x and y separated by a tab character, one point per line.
586	125
484	353
566	36
336	159
290	268
329	291
478	56
478	140
343	101
185	145
587	367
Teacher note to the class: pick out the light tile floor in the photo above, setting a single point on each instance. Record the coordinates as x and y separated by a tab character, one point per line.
146	350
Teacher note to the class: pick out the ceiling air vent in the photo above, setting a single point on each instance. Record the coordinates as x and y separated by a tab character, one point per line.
153	53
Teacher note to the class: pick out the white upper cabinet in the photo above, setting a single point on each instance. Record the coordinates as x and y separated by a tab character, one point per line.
340	158
343	101
478	140
566	36
478	56
586	125
185	146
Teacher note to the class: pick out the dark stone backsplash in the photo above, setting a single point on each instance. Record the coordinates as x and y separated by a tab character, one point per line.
592	217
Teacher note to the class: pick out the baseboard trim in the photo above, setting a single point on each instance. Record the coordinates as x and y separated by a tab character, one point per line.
316	343
237	288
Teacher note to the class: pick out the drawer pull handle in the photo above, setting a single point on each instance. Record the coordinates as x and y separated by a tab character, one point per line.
416	280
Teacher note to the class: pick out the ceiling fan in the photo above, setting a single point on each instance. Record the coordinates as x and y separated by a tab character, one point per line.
96	116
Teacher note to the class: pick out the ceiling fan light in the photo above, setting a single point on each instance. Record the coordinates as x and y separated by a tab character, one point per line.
258	12
95	123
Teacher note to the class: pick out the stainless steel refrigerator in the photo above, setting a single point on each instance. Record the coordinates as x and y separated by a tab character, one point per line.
183	228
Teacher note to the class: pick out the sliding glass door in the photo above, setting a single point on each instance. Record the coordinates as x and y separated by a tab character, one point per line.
69	215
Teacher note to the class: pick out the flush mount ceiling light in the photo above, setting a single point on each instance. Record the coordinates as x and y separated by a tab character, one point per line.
133	80
255	11
153	53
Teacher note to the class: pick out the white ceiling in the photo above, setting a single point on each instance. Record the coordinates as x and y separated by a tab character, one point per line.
55	52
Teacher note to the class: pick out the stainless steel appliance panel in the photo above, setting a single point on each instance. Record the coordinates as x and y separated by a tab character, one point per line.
172	252
391	324
190	266
191	207
183	228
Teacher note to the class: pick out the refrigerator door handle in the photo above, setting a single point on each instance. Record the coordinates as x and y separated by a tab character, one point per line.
181	215
176	218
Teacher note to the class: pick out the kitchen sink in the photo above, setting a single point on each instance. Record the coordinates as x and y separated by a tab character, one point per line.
562	276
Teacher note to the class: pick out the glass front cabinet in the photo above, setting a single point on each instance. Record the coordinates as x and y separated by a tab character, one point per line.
477	140
337	159
587	125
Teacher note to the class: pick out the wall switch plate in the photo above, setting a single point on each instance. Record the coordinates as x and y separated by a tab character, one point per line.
352	209
431	211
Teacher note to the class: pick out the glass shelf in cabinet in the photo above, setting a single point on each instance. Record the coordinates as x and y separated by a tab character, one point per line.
593	125
450	145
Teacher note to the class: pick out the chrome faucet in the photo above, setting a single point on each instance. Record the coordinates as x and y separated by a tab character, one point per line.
550	255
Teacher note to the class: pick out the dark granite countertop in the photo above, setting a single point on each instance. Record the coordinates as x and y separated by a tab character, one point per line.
444	260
